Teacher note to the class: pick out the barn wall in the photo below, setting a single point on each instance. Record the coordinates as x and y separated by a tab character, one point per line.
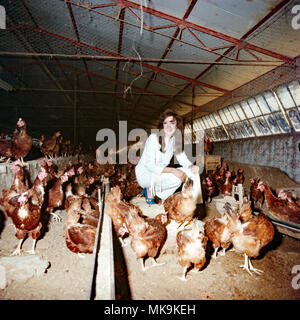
281	152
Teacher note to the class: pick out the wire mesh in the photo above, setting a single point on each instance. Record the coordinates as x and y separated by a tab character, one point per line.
71	28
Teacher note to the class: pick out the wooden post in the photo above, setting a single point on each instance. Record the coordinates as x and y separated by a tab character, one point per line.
105	277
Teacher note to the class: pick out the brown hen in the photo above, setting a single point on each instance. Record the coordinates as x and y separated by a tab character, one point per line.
279	207
249	237
191	247
181	206
148	235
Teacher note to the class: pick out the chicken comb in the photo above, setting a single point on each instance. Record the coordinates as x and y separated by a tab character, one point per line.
72	172
227	174
20	122
282	194
91	180
43	174
16	166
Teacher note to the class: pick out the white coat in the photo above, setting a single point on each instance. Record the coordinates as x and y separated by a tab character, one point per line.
152	162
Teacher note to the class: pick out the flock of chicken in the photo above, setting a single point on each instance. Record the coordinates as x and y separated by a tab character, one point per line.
246	232
19	144
221	181
74	188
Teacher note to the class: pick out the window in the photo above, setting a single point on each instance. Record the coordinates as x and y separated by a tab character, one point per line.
202	123
240	112
273	124
243	129
272	103
294	116
248	128
228	115
223	117
257	128
234	113
285	97
294	88
247	109
264	125
254	107
217	119
262	104
212	119
210	124
205	123
282	123
269	112
231	130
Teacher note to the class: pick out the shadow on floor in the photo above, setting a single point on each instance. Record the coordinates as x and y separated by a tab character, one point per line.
122	289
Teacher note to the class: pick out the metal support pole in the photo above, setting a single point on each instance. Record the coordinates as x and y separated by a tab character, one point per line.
192	119
75	110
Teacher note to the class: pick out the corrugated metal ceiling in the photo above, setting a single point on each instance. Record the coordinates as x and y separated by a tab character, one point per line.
96	58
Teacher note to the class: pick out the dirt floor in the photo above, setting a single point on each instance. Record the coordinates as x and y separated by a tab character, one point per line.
68	276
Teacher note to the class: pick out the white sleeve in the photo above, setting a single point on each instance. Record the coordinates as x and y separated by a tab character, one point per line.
183	159
149	153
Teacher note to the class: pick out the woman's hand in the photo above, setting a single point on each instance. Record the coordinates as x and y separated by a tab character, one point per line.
179	174
194	169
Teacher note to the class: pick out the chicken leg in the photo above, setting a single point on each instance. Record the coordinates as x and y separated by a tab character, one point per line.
24	164
155	263
17	252
143	264
183	276
123	244
257	271
56	217
215	253
32	251
223	252
249	267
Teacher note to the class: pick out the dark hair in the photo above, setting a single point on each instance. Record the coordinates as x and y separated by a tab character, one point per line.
178	133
